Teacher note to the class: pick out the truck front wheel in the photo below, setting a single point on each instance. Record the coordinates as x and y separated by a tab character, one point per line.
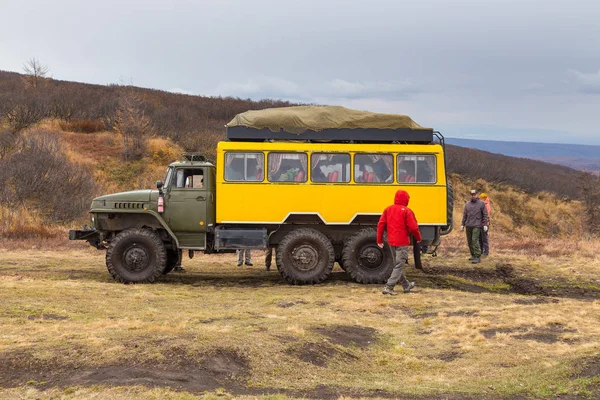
305	256
364	261
136	256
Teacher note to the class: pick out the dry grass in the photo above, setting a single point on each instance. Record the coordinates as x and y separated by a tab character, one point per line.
463	332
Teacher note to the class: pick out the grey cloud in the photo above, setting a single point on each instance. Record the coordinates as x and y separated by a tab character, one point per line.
359	90
586	82
269	86
261	87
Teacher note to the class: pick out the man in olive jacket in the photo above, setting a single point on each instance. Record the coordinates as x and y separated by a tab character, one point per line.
474	218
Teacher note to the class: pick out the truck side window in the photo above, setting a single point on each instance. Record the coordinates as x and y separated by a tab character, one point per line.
330	167
244	166
189	179
373	168
416	169
287	167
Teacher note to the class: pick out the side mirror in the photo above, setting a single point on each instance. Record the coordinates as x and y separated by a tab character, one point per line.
159	185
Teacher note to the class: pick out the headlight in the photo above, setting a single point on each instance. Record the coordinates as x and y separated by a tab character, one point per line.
93	221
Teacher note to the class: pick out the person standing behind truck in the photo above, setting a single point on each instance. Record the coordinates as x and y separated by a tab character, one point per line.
484	241
244	255
400	223
475	216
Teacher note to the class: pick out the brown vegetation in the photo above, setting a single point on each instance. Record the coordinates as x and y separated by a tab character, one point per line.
185	119
529	175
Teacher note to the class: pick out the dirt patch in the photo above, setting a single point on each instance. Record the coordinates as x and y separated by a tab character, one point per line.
441	277
349	335
550	333
220	368
46	317
535	300
318	354
556	288
447	356
286	304
443	282
225	363
472	274
587	368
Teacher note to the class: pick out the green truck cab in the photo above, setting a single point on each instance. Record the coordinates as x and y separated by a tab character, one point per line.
143	241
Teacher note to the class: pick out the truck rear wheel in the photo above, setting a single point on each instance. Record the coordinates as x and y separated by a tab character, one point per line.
136	256
364	261
305	256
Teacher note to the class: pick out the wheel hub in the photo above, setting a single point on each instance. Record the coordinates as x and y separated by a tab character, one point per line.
370	256
136	258
305	257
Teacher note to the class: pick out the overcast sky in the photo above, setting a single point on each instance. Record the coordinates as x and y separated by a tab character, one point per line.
490	69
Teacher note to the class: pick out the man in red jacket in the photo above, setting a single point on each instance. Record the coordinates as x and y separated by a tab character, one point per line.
400	222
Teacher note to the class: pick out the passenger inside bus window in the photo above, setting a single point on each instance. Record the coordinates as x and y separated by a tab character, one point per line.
374	168
424	172
317	175
287	173
406	172
235	170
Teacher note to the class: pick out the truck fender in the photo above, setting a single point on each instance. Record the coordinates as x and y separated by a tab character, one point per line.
159	219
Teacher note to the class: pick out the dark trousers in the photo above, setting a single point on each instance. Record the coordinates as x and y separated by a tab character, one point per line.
268	257
484	242
473	241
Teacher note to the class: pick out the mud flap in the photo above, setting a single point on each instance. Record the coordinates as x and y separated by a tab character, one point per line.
417	255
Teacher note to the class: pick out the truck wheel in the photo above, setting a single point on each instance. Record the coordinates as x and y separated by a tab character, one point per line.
449	209
173	260
305	256
136	256
365	262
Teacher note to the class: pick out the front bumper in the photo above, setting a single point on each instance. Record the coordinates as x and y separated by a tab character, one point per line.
92	236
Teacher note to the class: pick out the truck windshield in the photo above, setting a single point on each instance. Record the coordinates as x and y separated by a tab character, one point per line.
168	177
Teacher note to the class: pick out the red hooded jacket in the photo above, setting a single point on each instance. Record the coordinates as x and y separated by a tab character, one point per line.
400	222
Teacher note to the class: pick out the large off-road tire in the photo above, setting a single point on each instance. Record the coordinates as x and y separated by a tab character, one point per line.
364	261
173	260
305	256
136	256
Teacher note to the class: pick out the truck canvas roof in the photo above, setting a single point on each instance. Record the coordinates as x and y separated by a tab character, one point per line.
326	123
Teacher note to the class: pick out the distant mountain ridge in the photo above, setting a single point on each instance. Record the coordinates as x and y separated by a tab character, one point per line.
578	156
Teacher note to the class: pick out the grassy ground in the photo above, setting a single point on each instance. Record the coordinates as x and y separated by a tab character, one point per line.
524	323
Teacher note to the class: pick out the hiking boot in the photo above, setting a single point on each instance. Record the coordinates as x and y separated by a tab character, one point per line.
471	258
268	268
178	269
249	264
239	264
410	287
387	290
485	254
476	260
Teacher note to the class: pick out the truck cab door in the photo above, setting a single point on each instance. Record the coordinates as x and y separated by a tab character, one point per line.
186	200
